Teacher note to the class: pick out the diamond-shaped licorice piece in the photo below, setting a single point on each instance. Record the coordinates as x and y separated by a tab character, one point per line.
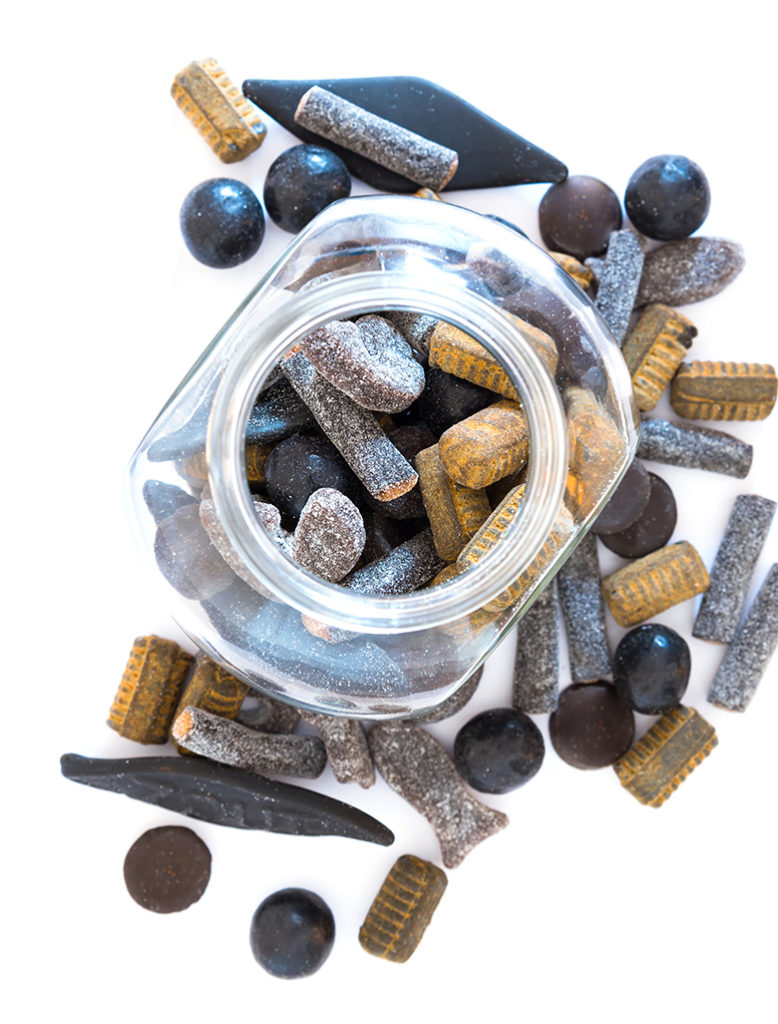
417	767
213	792
227	742
595	446
618	281
694	448
346	746
486	446
455	512
400	913
277	413
743	540
536	662
724	390
671	749
689	271
213	689
329	536
652	529
654	349
583	610
187	558
654	583
228	122
145	702
752	647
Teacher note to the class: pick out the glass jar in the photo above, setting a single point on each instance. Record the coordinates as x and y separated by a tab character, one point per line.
399	655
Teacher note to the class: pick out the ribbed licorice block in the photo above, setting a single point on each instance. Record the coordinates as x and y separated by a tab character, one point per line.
536	663
595	446
651	584
455	512
403	908
580	273
486	446
145	702
654	349
669	752
454	351
580	594
724	390
213	689
694	448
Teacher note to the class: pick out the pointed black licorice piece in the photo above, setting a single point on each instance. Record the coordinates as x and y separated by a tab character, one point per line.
490	155
225	796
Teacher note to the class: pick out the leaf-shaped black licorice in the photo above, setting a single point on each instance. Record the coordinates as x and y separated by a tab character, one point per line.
490	155
225	796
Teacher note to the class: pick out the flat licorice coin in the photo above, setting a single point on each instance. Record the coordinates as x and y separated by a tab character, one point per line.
592	726
167	869
652	529
627	502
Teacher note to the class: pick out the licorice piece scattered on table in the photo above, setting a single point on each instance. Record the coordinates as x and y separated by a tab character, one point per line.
689	270
145	703
752	647
730	577
536	664
694	448
724	390
405	152
486	446
654	583
400	913
346	745
455	512
619	280
583	609
654	349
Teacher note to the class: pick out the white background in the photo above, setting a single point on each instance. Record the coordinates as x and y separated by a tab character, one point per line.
589	907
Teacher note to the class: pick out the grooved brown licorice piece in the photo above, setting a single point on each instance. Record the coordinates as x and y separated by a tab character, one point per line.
353	430
724	390
580	273
213	689
672	748
418	768
400	913
583	609
655	348
689	270
486	446
428	193
255	459
145	702
618	281
752	647
743	540
385	143
228	122
694	448
455	512
595	447
231	743
651	584
346	746
536	663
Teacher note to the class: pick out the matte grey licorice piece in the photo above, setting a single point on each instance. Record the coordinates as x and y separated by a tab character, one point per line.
689	270
583	608
269	715
384	142
743	540
536	664
346	746
417	767
228	742
619	279
753	645
694	448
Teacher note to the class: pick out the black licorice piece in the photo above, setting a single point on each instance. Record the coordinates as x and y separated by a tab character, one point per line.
489	154
277	413
652	529
752	647
578	215
694	448
667	197
536	664
743	540
447	399
292	933
689	271
592	726
618	282
627	502
225	796
162	499
583	610
167	869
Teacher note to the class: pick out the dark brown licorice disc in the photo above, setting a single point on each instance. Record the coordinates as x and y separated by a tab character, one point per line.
627	502
592	726
167	869
652	529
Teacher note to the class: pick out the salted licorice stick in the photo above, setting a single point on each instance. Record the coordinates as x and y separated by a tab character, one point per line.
694	448
583	609
536	664
618	281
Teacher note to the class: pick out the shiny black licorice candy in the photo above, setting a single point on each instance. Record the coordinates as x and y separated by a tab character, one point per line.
490	155
225	796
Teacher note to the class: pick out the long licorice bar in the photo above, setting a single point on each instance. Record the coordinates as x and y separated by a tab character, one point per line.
694	448
583	609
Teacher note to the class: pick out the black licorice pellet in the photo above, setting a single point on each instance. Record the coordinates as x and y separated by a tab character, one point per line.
300	465
301	182
651	668
292	933
667	197
652	529
592	727
578	215
167	869
222	222
498	750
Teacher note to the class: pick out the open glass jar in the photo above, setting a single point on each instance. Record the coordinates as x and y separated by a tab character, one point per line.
396	655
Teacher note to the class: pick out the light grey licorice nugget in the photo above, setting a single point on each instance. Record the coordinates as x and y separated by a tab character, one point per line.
583	609
536	664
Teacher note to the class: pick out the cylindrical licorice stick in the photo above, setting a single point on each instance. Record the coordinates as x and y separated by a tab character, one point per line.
455	512
228	742
733	568
619	280
752	647
385	143
694	448
486	446
353	430
536	665
583	609
346	745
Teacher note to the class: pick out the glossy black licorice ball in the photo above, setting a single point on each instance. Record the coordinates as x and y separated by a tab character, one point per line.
300	465
651	668
292	933
222	222
498	750
301	182
667	197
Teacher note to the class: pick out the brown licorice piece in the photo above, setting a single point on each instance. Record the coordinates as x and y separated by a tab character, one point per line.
228	122
689	270
654	349
672	748
213	689
580	273
255	459
455	512
595	447
654	583
724	390
329	536
145	702
400	913
346	745
421	160
486	446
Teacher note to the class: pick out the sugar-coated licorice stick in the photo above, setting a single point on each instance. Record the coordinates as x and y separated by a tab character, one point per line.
619	280
583	609
536	664
694	448
385	143
346	745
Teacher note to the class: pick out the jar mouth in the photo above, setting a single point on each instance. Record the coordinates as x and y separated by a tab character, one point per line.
321	301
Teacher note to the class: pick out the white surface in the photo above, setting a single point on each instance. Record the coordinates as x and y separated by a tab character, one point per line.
589	907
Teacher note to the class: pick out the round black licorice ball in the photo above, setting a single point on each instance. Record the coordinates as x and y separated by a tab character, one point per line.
577	216
667	197
222	222
651	668
301	182
292	933
498	750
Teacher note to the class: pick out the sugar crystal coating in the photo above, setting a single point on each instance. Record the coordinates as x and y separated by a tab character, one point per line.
583	611
330	535
694	448
689	271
